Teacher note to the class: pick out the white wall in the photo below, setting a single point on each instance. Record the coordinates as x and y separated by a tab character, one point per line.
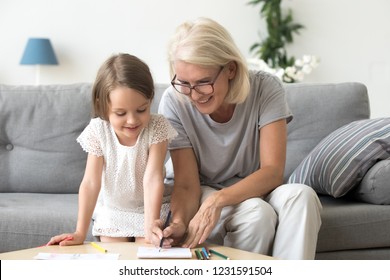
351	37
85	32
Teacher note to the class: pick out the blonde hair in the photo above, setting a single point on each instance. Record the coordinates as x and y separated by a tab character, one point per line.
120	70
206	43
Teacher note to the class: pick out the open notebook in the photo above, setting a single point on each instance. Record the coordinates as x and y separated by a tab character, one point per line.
170	253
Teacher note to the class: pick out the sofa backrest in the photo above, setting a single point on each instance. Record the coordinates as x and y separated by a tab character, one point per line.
39	126
38	130
318	110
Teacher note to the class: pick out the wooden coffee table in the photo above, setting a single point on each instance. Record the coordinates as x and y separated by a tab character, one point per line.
126	251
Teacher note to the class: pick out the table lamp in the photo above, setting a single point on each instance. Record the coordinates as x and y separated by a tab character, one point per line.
38	51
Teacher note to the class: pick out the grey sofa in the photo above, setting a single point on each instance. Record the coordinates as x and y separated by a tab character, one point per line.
41	165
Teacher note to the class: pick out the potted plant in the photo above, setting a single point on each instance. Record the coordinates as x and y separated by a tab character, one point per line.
271	51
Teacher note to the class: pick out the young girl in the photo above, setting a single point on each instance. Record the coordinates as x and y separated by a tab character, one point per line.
126	147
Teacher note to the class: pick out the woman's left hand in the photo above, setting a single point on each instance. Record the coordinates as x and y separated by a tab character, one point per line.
203	222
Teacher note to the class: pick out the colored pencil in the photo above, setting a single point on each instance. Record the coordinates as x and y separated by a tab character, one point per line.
165	225
98	247
219	254
206	255
198	255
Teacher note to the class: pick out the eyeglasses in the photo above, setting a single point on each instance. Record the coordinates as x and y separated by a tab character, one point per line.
203	88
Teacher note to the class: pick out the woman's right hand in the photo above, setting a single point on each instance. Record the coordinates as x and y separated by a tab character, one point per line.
204	221
66	239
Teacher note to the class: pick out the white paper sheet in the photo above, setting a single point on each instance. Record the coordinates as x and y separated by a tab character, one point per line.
54	256
170	253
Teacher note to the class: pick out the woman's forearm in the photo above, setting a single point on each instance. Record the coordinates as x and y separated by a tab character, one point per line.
258	184
185	203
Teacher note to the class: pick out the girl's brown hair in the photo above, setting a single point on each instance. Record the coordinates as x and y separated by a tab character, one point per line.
121	70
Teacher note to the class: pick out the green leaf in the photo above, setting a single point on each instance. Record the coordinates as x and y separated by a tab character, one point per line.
281	28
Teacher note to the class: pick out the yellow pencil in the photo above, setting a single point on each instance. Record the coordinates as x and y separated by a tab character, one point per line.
98	247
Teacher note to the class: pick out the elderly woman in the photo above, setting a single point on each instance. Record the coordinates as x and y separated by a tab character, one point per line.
228	159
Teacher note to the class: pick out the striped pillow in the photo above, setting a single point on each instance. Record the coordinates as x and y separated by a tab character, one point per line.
340	161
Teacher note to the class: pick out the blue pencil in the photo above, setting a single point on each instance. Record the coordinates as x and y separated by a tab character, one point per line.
205	253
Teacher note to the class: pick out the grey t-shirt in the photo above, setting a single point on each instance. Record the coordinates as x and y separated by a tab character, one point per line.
226	152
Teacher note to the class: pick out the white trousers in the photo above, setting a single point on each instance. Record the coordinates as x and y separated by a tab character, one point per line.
284	225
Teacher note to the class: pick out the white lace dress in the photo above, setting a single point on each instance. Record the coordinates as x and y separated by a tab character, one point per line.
119	211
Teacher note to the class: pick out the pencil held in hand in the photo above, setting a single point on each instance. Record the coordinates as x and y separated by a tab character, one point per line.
165	225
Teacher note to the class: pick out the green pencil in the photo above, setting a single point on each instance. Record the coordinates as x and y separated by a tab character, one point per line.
198	255
219	254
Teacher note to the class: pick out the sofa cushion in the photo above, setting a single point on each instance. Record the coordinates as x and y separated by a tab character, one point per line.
340	161
352	225
30	219
318	110
375	186
38	130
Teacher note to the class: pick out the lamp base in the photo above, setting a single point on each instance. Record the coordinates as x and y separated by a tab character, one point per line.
37	73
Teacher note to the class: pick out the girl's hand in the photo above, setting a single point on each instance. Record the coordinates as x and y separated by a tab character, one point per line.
203	223
156	232
173	234
66	239
149	231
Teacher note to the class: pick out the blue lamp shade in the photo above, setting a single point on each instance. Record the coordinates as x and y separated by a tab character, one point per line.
39	51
